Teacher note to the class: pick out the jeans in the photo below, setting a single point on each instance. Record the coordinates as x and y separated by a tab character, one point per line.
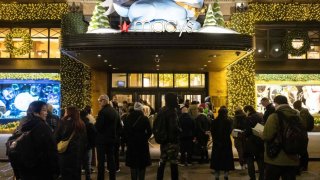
274	172
108	150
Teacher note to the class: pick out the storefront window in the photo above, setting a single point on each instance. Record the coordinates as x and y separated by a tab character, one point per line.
54	43
135	80
181	80
197	80
150	80
314	52
119	80
165	80
3	52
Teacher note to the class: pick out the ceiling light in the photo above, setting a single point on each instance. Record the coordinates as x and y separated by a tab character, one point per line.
99	55
157	65
259	50
157	69
110	65
105	61
205	65
209	61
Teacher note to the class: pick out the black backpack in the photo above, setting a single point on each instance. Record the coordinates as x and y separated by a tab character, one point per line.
294	134
160	129
20	149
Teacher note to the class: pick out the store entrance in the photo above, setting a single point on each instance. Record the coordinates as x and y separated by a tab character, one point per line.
156	98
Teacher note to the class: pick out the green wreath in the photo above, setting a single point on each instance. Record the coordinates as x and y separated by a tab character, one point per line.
296	34
26	44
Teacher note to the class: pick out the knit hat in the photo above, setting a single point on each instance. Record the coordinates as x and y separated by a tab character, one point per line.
138	106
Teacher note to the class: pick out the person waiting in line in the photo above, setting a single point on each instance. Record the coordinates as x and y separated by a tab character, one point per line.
106	126
71	160
169	149
202	134
88	109
186	138
239	123
304	114
221	155
254	145
44	145
137	132
269	109
283	165
91	135
52	119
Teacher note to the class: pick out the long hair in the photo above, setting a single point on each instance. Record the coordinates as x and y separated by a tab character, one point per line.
74	115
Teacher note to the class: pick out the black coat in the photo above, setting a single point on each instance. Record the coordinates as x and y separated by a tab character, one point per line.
70	161
108	125
254	144
187	125
269	110
202	125
137	131
45	146
222	156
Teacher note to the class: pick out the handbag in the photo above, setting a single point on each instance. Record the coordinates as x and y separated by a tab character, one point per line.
63	145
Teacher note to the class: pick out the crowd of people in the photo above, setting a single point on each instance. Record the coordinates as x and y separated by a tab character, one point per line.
182	130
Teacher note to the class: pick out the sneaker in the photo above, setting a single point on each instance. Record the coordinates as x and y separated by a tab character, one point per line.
118	170
239	167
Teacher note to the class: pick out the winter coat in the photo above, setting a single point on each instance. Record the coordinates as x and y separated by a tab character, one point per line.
187	125
254	144
269	110
221	156
45	146
202	125
91	134
70	161
137	131
270	130
107	125
170	116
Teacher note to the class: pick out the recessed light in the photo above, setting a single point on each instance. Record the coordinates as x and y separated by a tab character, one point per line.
202	68
157	65
114	68
205	65
157	69
259	50
209	61
99	55
110	65
105	60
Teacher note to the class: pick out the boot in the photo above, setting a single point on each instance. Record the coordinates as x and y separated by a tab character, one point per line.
160	171
174	172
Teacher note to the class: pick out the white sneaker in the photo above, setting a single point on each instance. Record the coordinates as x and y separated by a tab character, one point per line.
239	167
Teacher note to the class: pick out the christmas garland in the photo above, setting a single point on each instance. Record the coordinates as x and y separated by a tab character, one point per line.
26	44
296	34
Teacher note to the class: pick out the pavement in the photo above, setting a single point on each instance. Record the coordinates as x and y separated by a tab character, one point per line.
194	172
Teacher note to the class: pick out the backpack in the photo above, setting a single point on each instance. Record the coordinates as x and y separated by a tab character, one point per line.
294	135
160	129
20	149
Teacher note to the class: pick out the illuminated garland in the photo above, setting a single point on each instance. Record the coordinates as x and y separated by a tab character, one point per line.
240	76
32	76
296	34
288	77
32	11
75	83
26	46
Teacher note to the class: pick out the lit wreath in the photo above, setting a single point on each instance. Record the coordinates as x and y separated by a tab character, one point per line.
296	34
26	44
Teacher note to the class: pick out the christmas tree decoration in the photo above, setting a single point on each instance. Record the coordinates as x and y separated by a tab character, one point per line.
218	14
210	17
98	19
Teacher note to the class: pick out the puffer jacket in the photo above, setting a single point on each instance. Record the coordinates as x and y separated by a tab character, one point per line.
270	130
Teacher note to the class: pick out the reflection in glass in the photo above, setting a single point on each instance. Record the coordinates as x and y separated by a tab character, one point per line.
150	80
135	80
181	80
314	52
165	80
197	80
119	80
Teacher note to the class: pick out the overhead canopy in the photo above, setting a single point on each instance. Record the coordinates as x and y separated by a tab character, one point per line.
142	52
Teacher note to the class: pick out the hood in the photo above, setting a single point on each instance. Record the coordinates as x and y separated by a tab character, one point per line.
287	110
28	122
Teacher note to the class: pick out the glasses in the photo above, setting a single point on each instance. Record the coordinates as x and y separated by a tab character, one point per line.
100	100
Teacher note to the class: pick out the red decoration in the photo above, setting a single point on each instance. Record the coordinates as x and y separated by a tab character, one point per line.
124	27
